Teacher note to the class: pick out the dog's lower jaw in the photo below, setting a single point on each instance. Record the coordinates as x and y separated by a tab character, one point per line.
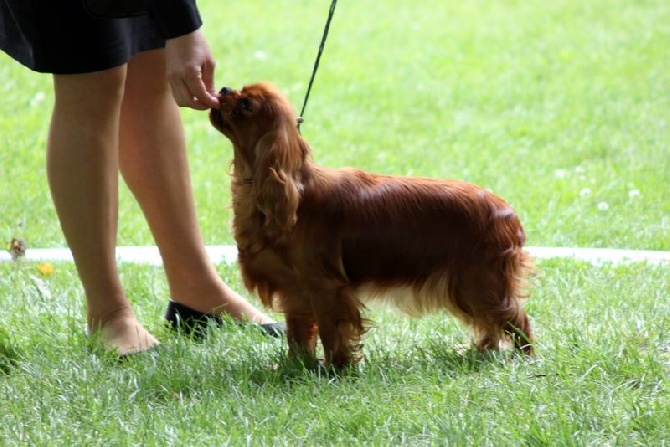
216	120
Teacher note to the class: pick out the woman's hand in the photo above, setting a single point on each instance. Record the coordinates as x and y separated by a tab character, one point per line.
190	71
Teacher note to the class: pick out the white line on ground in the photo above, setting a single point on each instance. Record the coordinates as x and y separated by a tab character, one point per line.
228	254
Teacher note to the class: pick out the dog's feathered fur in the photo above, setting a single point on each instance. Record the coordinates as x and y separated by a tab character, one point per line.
320	242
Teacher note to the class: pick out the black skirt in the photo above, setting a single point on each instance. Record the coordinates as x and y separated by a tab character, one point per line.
60	37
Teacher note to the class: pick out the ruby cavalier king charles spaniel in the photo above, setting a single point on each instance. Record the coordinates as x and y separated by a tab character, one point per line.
320	243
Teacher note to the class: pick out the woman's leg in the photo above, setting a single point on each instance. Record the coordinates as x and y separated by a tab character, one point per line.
82	169
153	160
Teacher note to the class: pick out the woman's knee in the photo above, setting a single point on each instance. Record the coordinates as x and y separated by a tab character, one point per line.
102	89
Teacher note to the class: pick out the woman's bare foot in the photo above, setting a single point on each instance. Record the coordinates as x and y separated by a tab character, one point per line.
121	333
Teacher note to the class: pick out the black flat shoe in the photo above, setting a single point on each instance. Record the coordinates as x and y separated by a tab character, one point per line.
193	322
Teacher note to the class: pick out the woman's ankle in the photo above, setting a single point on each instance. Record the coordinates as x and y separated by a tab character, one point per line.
97	320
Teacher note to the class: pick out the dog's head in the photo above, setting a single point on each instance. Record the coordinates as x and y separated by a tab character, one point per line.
269	154
247	115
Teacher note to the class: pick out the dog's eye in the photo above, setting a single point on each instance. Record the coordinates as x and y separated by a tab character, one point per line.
246	104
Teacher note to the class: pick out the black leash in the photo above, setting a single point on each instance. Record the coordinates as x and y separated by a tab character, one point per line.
331	12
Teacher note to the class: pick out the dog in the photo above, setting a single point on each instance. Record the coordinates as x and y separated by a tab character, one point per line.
320	243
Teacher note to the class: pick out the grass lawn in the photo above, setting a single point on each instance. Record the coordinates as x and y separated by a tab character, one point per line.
562	108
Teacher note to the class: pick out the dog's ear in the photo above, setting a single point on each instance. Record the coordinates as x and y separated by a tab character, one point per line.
276	185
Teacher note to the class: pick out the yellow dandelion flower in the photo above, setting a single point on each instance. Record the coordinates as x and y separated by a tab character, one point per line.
45	268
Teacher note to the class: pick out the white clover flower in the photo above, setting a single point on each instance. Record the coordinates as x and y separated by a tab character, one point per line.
37	99
602	206
586	192
560	173
633	193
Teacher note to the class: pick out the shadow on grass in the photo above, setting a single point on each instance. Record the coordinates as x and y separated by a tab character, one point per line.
9	353
244	363
433	357
290	371
437	357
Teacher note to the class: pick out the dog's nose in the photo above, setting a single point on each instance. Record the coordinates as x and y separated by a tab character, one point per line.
226	91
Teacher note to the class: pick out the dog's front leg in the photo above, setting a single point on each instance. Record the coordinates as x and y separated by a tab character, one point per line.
301	333
340	325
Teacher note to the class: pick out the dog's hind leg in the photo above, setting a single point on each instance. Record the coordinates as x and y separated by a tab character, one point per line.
520	331
516	268
498	326
491	296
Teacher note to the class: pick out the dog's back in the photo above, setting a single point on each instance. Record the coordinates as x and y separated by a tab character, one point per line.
421	245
